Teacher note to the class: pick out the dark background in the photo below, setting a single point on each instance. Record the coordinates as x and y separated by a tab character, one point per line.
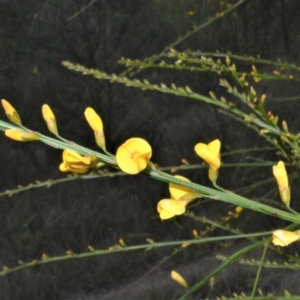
36	36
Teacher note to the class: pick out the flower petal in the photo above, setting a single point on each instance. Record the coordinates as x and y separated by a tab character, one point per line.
210	153
178	191
176	207
214	147
140	145
63	167
284	238
71	156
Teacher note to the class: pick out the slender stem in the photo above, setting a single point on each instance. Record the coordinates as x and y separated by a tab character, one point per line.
219	188
259	270
292	211
229	261
119	248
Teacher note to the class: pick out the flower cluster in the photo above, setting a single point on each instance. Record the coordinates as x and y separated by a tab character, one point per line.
134	155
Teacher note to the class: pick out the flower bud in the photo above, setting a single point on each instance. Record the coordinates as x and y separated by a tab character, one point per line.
280	175
96	124
49	118
179	279
20	135
11	113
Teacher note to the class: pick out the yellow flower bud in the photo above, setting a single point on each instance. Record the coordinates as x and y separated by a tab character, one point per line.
11	113
284	238
49	118
281	177
20	135
132	157
96	124
179	279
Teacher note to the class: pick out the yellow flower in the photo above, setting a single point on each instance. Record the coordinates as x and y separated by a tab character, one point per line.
179	279
132	157
284	238
49	118
11	113
280	175
20	135
211	154
96	124
74	162
181	197
168	208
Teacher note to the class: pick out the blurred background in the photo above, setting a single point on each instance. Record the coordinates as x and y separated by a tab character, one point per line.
36	36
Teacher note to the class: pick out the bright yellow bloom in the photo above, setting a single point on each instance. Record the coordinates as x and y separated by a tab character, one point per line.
179	279
11	113
284	238
20	135
168	208
49	118
280	174
181	197
74	162
96	124
132	157
211	154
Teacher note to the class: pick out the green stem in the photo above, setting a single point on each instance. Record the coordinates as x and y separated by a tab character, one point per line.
259	270
229	261
227	196
293	211
7	270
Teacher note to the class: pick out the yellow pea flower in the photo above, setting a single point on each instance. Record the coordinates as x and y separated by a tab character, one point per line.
169	208
11	113
179	279
49	118
20	135
284	238
132	157
281	177
181	197
211	154
96	124
74	162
